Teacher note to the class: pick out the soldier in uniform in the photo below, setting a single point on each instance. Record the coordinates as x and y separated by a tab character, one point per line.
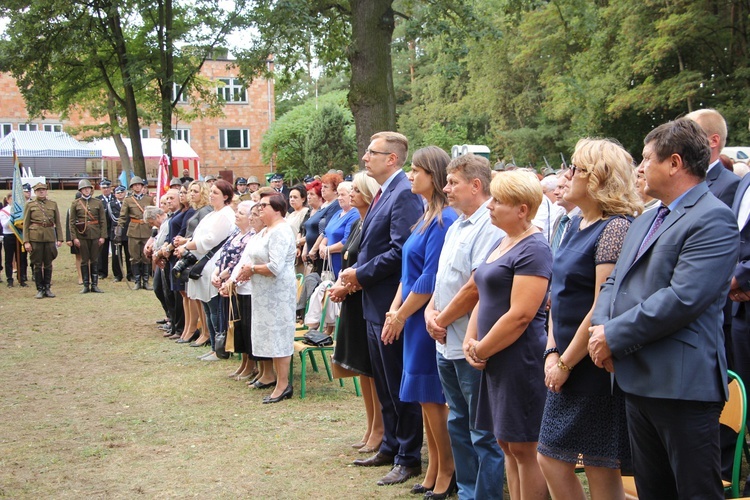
240	189
42	236
88	228
105	185
138	232
252	184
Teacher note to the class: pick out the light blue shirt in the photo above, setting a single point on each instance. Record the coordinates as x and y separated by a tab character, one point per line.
467	243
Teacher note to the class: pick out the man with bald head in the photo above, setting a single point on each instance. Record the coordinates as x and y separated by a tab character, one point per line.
721	182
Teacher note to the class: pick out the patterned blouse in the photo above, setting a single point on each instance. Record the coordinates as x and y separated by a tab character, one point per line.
231	252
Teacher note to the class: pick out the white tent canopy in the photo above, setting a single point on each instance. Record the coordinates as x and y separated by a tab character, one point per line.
46	145
152	148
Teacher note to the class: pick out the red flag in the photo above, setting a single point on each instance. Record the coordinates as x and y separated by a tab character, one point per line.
162	179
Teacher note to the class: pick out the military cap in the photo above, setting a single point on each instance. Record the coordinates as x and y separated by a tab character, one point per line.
27	187
84	183
105	183
40	185
175	182
253	180
240	180
136	180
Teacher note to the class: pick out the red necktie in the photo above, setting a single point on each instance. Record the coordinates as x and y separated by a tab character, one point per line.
377	197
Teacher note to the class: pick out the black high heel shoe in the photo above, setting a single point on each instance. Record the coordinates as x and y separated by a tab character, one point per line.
287	394
196	334
203	344
419	489
452	488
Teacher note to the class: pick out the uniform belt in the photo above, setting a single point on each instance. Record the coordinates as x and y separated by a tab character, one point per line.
92	222
42	224
137	221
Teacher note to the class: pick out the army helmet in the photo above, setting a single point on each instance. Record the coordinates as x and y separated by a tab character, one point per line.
84	183
135	180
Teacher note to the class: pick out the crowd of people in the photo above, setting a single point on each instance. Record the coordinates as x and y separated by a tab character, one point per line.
523	324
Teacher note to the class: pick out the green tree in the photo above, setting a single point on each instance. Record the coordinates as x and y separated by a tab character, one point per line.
329	142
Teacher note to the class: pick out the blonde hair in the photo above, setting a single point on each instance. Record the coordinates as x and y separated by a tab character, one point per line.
611	175
366	185
203	201
518	187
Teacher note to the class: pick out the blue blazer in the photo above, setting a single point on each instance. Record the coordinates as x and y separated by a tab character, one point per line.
722	183
385	228
662	312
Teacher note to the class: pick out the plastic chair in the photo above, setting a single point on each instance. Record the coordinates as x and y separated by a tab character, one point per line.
733	416
306	352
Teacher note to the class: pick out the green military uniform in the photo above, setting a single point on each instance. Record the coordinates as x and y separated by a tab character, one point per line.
138	233
88	225
247	196
42	234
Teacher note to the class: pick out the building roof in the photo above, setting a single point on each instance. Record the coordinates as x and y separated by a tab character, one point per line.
181	150
46	145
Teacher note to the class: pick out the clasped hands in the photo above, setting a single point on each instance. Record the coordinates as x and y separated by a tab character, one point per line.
470	353
392	329
599	351
436	331
346	284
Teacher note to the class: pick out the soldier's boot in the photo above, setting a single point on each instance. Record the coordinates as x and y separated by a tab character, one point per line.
48	283
85	278
145	276
10	282
137	275
39	281
22	280
95	283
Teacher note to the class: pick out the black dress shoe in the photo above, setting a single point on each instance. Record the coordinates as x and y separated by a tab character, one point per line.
419	489
452	488
260	385
377	460
286	394
399	474
117	280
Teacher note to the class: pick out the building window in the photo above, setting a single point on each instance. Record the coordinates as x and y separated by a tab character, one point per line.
28	127
183	96
52	127
181	134
145	133
232	90
5	129
234	138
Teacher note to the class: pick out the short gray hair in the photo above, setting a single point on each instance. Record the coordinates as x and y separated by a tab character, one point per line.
152	213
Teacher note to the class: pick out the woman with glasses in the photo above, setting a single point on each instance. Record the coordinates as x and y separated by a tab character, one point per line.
584	415
270	267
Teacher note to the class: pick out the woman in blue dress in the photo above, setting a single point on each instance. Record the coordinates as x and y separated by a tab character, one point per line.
315	226
421	252
506	334
338	228
584	415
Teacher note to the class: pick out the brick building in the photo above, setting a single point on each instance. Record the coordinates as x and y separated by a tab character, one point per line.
228	145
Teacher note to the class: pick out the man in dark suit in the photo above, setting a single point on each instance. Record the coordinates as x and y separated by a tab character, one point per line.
387	225
720	181
658	319
106	198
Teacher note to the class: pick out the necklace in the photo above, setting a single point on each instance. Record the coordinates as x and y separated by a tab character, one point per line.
512	241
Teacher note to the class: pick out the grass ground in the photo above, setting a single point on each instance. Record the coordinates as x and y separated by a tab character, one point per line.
97	404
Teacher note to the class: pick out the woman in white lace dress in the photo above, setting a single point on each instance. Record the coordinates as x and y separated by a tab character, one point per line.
270	267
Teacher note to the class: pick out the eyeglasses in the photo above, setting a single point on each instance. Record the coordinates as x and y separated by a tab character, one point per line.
264	205
574	168
369	151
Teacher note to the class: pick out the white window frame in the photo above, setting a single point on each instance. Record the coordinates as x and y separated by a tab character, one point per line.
28	127
145	133
183	97
52	127
181	133
5	129
232	90
224	138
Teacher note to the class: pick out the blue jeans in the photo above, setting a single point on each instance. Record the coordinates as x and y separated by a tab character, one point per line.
480	463
212	318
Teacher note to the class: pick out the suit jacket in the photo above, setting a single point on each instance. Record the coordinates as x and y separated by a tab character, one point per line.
385	228
742	269
722	183
662	312
108	214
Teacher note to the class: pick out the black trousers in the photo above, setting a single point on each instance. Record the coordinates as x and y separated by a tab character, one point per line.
675	446
9	244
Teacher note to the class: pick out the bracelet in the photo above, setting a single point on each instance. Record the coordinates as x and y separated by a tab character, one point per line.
396	318
252	268
548	352
563	366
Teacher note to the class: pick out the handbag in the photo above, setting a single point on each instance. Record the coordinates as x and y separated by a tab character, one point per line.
327	273
232	318
317	339
197	269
